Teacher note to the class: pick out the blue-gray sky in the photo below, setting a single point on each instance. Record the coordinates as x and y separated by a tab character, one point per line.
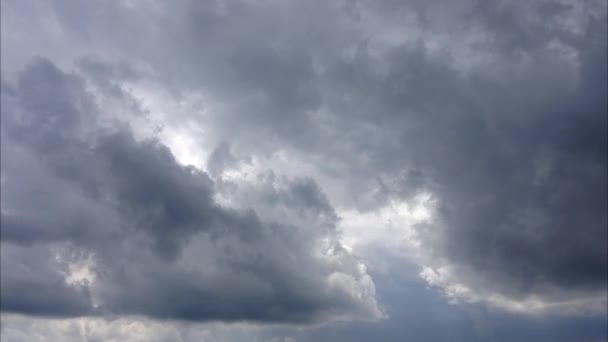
303	170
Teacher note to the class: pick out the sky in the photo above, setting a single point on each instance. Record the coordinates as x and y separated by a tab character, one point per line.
291	171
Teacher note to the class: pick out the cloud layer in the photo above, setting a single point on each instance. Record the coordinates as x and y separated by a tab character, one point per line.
260	161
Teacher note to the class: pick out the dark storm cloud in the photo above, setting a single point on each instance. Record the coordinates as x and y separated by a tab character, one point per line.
528	211
518	165
147	222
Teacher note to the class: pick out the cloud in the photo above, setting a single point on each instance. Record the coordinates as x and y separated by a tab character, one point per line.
466	138
160	245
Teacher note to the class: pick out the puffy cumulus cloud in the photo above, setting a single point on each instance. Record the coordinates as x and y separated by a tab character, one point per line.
96	222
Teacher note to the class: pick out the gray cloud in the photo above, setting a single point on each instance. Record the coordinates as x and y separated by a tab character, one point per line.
306	111
147	223
33	281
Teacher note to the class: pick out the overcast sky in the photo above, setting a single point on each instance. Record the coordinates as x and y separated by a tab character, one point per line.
282	171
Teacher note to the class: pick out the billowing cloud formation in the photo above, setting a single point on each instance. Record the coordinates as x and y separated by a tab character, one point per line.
97	222
467	137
